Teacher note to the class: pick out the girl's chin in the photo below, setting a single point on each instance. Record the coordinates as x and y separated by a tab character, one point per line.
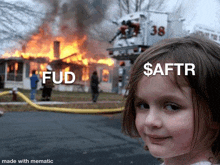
158	155
159	152
164	153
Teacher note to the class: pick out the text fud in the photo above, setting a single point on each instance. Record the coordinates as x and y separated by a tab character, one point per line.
47	76
189	67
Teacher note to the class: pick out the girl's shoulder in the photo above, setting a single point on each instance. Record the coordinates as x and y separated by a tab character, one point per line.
200	163
204	163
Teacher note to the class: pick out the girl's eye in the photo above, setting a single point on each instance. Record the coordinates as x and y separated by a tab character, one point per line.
172	107
142	106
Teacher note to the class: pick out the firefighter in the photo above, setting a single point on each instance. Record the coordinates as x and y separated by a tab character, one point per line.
94	82
34	80
47	87
121	30
135	26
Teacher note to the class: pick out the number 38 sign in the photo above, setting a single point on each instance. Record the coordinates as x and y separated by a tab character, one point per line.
157	27
158	31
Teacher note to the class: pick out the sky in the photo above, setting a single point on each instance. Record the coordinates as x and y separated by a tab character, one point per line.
203	12
19	28
199	11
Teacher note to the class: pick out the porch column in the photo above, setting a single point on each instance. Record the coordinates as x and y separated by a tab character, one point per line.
6	66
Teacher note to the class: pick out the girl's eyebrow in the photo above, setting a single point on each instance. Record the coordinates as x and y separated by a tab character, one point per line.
138	99
163	97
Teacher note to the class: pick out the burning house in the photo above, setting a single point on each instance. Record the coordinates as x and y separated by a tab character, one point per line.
15	70
61	42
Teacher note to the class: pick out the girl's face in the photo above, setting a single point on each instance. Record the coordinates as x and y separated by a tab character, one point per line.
164	116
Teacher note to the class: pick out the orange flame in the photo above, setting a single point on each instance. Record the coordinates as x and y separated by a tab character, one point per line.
67	69
85	75
41	45
66	49
105	75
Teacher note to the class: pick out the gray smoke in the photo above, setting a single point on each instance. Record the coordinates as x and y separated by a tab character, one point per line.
73	19
80	15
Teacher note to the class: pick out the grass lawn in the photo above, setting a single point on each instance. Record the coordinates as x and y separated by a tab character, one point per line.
65	97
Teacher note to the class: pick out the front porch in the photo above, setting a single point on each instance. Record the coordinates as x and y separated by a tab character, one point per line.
16	72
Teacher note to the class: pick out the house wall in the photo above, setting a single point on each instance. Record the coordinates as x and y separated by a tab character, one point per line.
78	86
71	88
10	83
105	86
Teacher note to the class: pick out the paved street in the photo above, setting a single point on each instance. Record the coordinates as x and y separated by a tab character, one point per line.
67	139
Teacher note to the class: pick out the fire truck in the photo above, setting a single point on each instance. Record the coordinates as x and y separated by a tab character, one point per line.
140	30
137	32
208	32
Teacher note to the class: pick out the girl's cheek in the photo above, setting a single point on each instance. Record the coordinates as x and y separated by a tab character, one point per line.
139	124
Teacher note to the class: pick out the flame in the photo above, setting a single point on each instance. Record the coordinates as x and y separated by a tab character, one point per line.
85	75
16	68
66	49
42	67
16	54
105	75
67	69
41	45
108	61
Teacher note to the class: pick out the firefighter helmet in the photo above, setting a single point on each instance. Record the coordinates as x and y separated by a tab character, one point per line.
49	67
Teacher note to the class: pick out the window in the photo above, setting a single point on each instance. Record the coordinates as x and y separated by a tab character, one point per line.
14	71
105	75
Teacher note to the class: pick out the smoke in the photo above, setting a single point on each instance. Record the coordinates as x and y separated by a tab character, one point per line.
86	13
79	16
73	20
75	16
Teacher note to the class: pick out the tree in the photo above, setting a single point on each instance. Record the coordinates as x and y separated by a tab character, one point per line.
105	30
130	6
17	19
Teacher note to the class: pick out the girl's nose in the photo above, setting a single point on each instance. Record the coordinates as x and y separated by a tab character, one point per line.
153	119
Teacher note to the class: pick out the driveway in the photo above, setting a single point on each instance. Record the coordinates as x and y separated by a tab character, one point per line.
65	138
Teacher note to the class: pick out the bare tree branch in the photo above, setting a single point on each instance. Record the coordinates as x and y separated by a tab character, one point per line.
137	5
14	16
128	6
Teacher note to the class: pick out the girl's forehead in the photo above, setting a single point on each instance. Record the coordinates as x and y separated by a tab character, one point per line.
162	86
172	77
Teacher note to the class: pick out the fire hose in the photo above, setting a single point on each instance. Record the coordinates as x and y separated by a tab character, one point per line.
68	110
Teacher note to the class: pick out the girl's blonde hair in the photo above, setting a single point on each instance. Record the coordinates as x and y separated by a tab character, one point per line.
205	84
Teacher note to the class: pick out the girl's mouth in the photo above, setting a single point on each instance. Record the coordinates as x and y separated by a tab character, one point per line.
155	139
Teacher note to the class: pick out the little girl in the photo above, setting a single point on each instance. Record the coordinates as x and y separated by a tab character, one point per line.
177	115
